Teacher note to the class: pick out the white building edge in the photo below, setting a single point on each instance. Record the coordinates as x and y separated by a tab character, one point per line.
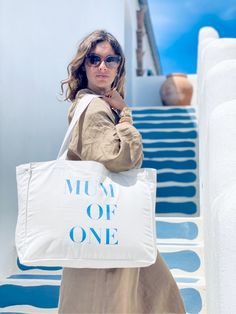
38	39
217	159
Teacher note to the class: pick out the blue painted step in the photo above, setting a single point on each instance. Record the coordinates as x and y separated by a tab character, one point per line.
165	125
192	300
169	154
173	191
186	260
47	297
169	135
42	296
152	118
161	144
188	208
183	177
163	110
186	230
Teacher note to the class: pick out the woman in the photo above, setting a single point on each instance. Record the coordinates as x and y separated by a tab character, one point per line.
105	133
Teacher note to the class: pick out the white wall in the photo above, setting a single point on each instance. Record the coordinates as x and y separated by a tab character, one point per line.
147	90
130	45
217	103
38	39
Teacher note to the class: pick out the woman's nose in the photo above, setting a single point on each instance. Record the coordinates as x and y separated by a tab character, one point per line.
102	65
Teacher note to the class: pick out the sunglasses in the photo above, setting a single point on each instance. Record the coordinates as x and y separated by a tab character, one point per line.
111	61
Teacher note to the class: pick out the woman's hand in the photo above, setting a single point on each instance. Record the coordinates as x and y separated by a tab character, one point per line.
114	99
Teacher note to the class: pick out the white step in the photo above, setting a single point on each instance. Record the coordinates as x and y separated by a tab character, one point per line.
24	282
27	309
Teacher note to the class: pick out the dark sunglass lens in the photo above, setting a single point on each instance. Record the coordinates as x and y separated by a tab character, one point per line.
94	59
114	59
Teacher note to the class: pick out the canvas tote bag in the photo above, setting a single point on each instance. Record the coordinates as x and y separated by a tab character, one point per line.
79	214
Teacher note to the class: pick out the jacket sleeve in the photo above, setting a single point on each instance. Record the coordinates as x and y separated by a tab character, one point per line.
118	147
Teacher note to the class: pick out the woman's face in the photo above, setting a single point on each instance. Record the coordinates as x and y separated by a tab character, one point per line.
101	77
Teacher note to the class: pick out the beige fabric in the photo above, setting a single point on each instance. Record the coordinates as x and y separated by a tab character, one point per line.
96	137
122	290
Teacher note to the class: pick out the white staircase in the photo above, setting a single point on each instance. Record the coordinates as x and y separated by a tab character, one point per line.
184	257
171	146
170	140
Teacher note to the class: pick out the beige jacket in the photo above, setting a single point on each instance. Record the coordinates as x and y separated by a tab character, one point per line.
97	137
146	290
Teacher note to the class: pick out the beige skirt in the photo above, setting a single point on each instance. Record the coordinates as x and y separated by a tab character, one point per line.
120	290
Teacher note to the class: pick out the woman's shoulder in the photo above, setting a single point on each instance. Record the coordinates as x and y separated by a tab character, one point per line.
96	106
99	109
76	101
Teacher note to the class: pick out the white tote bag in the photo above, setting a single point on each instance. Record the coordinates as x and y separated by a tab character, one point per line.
78	214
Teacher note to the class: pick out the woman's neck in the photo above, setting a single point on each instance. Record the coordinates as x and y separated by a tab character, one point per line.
98	90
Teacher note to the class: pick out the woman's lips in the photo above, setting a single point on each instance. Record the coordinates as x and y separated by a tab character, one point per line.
102	76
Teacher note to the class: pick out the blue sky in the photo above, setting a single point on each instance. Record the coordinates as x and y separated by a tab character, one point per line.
176	24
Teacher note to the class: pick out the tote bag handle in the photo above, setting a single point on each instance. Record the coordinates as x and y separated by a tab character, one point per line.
83	104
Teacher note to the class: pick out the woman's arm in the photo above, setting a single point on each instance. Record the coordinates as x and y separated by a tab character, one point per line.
117	147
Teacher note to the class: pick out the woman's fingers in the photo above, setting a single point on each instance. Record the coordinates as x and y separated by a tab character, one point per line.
114	100
111	93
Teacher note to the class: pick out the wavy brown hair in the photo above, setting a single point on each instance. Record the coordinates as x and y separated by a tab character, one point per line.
77	78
